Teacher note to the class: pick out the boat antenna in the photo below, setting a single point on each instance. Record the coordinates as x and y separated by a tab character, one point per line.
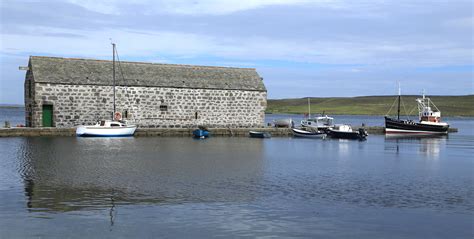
113	74
399	96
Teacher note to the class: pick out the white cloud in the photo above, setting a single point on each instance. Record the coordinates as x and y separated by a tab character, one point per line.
159	44
192	7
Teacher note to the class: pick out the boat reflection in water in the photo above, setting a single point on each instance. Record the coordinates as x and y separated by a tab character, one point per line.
70	174
428	145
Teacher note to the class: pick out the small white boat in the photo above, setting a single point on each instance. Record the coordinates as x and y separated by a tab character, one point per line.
308	134
106	128
319	123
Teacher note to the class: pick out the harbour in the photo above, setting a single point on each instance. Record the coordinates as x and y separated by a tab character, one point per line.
239	186
236	119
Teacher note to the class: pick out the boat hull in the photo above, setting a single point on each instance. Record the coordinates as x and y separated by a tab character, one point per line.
394	126
346	135
308	134
199	133
255	134
94	131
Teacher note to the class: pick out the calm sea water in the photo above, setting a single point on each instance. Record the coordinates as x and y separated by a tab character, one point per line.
239	187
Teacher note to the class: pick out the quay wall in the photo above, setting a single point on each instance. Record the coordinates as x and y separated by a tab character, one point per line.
185	132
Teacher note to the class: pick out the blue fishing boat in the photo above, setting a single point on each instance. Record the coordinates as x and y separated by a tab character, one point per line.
201	133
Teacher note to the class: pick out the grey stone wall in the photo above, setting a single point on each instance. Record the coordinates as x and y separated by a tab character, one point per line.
30	105
149	106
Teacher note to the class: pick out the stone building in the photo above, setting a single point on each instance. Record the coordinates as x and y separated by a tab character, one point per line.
65	92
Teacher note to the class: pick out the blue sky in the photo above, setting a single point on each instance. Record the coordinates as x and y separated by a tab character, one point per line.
301	48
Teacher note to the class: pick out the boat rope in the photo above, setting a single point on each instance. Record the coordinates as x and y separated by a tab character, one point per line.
404	109
429	100
127	93
391	106
412	110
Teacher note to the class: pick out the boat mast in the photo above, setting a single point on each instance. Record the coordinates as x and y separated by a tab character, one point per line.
399	96
309	108
113	75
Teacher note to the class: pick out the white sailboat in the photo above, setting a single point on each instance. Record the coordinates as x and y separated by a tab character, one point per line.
108	128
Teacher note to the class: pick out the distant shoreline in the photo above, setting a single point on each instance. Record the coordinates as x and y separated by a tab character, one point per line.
11	106
370	105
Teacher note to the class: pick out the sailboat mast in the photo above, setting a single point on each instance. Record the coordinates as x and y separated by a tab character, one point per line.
399	96
309	107
113	75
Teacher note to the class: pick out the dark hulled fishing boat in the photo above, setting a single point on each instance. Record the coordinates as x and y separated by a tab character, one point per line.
258	134
345	132
429	120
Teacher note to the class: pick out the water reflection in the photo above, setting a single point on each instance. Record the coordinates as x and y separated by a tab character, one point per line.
67	174
428	145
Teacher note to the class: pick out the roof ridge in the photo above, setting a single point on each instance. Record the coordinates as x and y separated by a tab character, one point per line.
146	63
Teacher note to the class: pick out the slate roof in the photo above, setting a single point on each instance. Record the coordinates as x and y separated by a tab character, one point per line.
76	71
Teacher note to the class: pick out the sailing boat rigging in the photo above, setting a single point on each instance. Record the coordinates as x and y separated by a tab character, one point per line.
108	128
429	120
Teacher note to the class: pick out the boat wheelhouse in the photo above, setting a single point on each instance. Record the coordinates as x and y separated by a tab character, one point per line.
319	123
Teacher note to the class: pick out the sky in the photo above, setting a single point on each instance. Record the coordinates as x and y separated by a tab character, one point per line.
319	48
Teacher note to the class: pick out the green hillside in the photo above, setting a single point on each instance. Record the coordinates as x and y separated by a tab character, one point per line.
371	105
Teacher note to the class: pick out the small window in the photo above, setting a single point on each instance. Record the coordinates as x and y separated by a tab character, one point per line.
163	108
196	115
114	125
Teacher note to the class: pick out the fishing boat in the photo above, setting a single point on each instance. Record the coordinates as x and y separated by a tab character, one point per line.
429	120
257	134
284	123
308	134
322	123
201	132
319	123
108	128
344	131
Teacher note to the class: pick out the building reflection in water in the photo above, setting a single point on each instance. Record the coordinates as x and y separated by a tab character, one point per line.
69	174
428	145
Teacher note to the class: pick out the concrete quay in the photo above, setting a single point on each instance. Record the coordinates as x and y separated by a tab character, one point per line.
178	132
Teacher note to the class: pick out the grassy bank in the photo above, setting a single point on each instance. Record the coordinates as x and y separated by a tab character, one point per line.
371	105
